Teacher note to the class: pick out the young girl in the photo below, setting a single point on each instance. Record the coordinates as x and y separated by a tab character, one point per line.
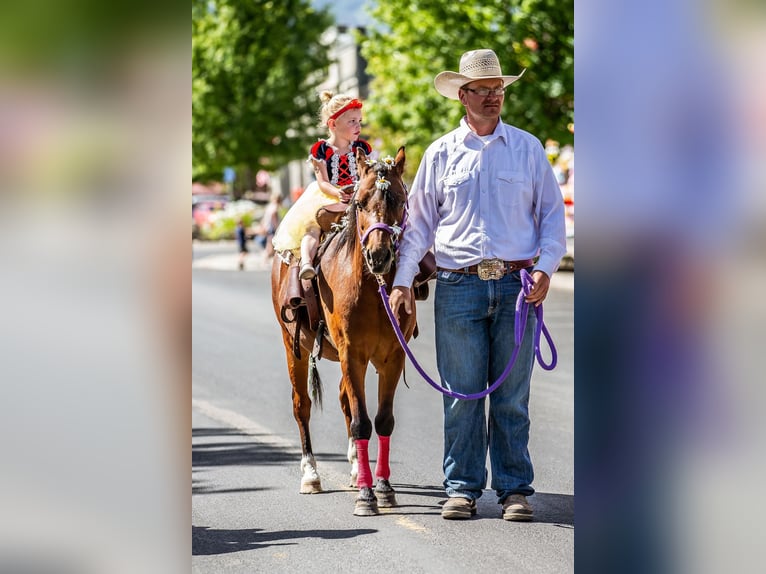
334	161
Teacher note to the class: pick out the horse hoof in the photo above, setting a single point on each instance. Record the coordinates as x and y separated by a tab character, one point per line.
385	495
366	504
352	481
366	508
311	486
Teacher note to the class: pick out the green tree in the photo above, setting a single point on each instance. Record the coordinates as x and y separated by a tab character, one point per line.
417	40
255	68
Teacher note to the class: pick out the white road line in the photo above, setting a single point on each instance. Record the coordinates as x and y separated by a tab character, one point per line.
241	422
330	480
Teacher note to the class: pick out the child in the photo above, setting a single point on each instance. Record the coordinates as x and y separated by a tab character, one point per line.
334	161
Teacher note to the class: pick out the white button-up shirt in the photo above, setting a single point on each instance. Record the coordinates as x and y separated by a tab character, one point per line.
476	198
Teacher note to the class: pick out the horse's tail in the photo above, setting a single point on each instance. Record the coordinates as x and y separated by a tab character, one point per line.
315	382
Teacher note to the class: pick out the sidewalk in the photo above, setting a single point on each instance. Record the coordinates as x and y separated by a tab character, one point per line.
224	256
230	262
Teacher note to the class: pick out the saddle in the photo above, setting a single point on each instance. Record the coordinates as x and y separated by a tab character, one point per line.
300	297
331	214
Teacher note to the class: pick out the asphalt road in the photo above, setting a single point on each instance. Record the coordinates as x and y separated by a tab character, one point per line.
247	515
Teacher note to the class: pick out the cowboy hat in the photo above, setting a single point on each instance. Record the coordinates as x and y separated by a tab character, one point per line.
474	65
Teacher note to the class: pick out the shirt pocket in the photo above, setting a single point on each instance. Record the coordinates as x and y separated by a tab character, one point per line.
456	189
513	188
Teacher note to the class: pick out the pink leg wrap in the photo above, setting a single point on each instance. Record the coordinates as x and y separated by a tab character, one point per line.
382	470
364	478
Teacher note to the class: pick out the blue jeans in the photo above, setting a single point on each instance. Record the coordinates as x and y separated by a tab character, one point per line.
474	342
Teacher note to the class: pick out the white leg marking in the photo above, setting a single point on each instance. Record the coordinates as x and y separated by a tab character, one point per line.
310	482
352	459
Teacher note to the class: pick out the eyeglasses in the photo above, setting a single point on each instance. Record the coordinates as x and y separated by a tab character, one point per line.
484	92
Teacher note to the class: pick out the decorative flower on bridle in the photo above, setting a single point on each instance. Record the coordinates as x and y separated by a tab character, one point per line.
381	168
388	162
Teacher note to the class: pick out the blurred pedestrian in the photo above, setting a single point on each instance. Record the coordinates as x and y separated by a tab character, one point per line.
334	161
241	236
485	197
264	232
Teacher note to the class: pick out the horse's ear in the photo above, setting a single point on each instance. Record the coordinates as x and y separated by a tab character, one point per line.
361	161
399	159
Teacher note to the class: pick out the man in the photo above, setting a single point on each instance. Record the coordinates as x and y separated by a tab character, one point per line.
486	198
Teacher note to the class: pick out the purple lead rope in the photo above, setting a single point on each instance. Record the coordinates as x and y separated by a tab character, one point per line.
522	308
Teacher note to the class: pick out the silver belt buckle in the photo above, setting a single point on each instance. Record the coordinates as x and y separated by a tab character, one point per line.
491	269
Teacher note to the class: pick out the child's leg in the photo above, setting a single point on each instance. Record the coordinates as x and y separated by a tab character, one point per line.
309	245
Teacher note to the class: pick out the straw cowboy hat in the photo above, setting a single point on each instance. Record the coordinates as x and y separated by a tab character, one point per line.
474	65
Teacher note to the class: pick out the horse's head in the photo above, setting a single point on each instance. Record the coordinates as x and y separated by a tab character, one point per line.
380	202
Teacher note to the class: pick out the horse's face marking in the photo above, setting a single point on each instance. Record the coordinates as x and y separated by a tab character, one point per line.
380	202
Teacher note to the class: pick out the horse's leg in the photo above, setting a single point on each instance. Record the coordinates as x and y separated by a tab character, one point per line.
388	378
298	371
352	387
351	454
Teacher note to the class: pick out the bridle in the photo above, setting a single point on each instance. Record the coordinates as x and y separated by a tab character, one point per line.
381	184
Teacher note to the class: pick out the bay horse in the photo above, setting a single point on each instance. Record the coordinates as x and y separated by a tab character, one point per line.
352	261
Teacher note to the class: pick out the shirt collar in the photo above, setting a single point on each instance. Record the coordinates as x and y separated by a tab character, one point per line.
464	131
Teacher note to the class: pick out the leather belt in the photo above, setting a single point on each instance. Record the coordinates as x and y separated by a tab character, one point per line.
492	268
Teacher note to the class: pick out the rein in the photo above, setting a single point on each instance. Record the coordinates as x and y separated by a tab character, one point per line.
522	307
520	324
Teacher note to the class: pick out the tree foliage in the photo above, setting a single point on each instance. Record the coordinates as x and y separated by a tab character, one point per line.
255	68
417	39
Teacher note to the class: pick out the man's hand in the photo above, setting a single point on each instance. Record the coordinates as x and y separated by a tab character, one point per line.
539	289
398	296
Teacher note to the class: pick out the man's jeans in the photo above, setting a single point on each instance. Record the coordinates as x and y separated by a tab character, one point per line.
474	342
